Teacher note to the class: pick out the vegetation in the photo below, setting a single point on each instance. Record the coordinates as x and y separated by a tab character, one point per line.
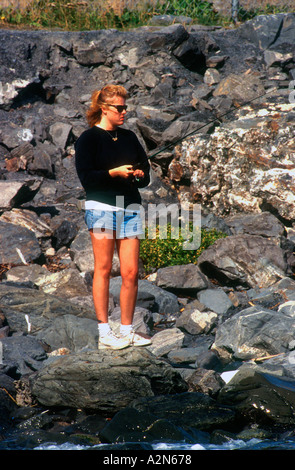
167	250
86	15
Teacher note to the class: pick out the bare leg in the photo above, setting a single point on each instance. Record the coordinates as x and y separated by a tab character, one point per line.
103	250
128	251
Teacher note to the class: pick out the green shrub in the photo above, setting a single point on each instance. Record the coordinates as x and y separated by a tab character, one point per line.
160	252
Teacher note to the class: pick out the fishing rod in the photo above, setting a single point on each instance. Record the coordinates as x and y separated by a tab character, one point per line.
246	103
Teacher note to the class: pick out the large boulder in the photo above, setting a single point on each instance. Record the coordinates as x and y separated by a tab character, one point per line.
104	381
249	260
256	332
263	393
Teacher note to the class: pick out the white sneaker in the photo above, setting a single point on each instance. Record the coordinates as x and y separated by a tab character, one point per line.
137	339
111	341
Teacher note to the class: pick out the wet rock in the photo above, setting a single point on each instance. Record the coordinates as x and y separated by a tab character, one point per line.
261	397
190	410
132	425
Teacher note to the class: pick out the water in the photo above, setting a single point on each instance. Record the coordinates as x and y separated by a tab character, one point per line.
252	444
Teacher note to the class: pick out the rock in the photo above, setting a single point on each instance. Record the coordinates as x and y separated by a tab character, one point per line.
25	274
66	284
28	310
162	301
60	132
195	322
104	381
190	410
81	251
244	259
216	300
132	425
255	332
268	31
182	279
65	233
261	397
15	193
28	219
205	381
264	224
166	340
239	88
71	332
18	245
24	353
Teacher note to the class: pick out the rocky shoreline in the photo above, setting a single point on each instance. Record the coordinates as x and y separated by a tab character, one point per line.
221	365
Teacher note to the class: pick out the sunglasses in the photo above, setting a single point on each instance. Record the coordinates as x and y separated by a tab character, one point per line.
120	108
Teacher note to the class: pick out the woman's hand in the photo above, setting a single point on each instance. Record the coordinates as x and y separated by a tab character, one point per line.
138	173
123	171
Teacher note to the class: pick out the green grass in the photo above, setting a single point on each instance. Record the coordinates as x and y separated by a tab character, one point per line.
167	250
82	15
88	15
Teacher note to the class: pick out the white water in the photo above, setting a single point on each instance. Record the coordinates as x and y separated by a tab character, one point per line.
252	444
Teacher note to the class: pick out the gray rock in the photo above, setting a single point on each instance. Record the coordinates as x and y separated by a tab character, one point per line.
255	332
165	341
25	353
195	322
182	279
244	259
14	193
264	224
60	132
18	245
104	381
70	332
28	310
162	301
216	300
29	220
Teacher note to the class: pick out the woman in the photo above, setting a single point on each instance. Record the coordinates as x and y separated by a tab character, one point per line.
112	165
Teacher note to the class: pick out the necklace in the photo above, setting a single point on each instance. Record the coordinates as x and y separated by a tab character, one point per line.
114	138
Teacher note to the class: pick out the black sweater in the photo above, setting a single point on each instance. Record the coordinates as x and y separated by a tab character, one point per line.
97	153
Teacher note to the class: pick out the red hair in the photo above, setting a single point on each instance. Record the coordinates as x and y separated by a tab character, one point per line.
100	98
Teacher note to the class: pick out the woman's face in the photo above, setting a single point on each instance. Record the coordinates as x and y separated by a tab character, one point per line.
112	116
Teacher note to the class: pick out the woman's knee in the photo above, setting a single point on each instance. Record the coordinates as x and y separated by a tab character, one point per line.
130	275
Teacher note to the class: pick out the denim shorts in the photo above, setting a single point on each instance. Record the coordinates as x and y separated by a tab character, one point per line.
126	224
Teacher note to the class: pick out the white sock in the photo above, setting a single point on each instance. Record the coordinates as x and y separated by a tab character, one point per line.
125	329
103	329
